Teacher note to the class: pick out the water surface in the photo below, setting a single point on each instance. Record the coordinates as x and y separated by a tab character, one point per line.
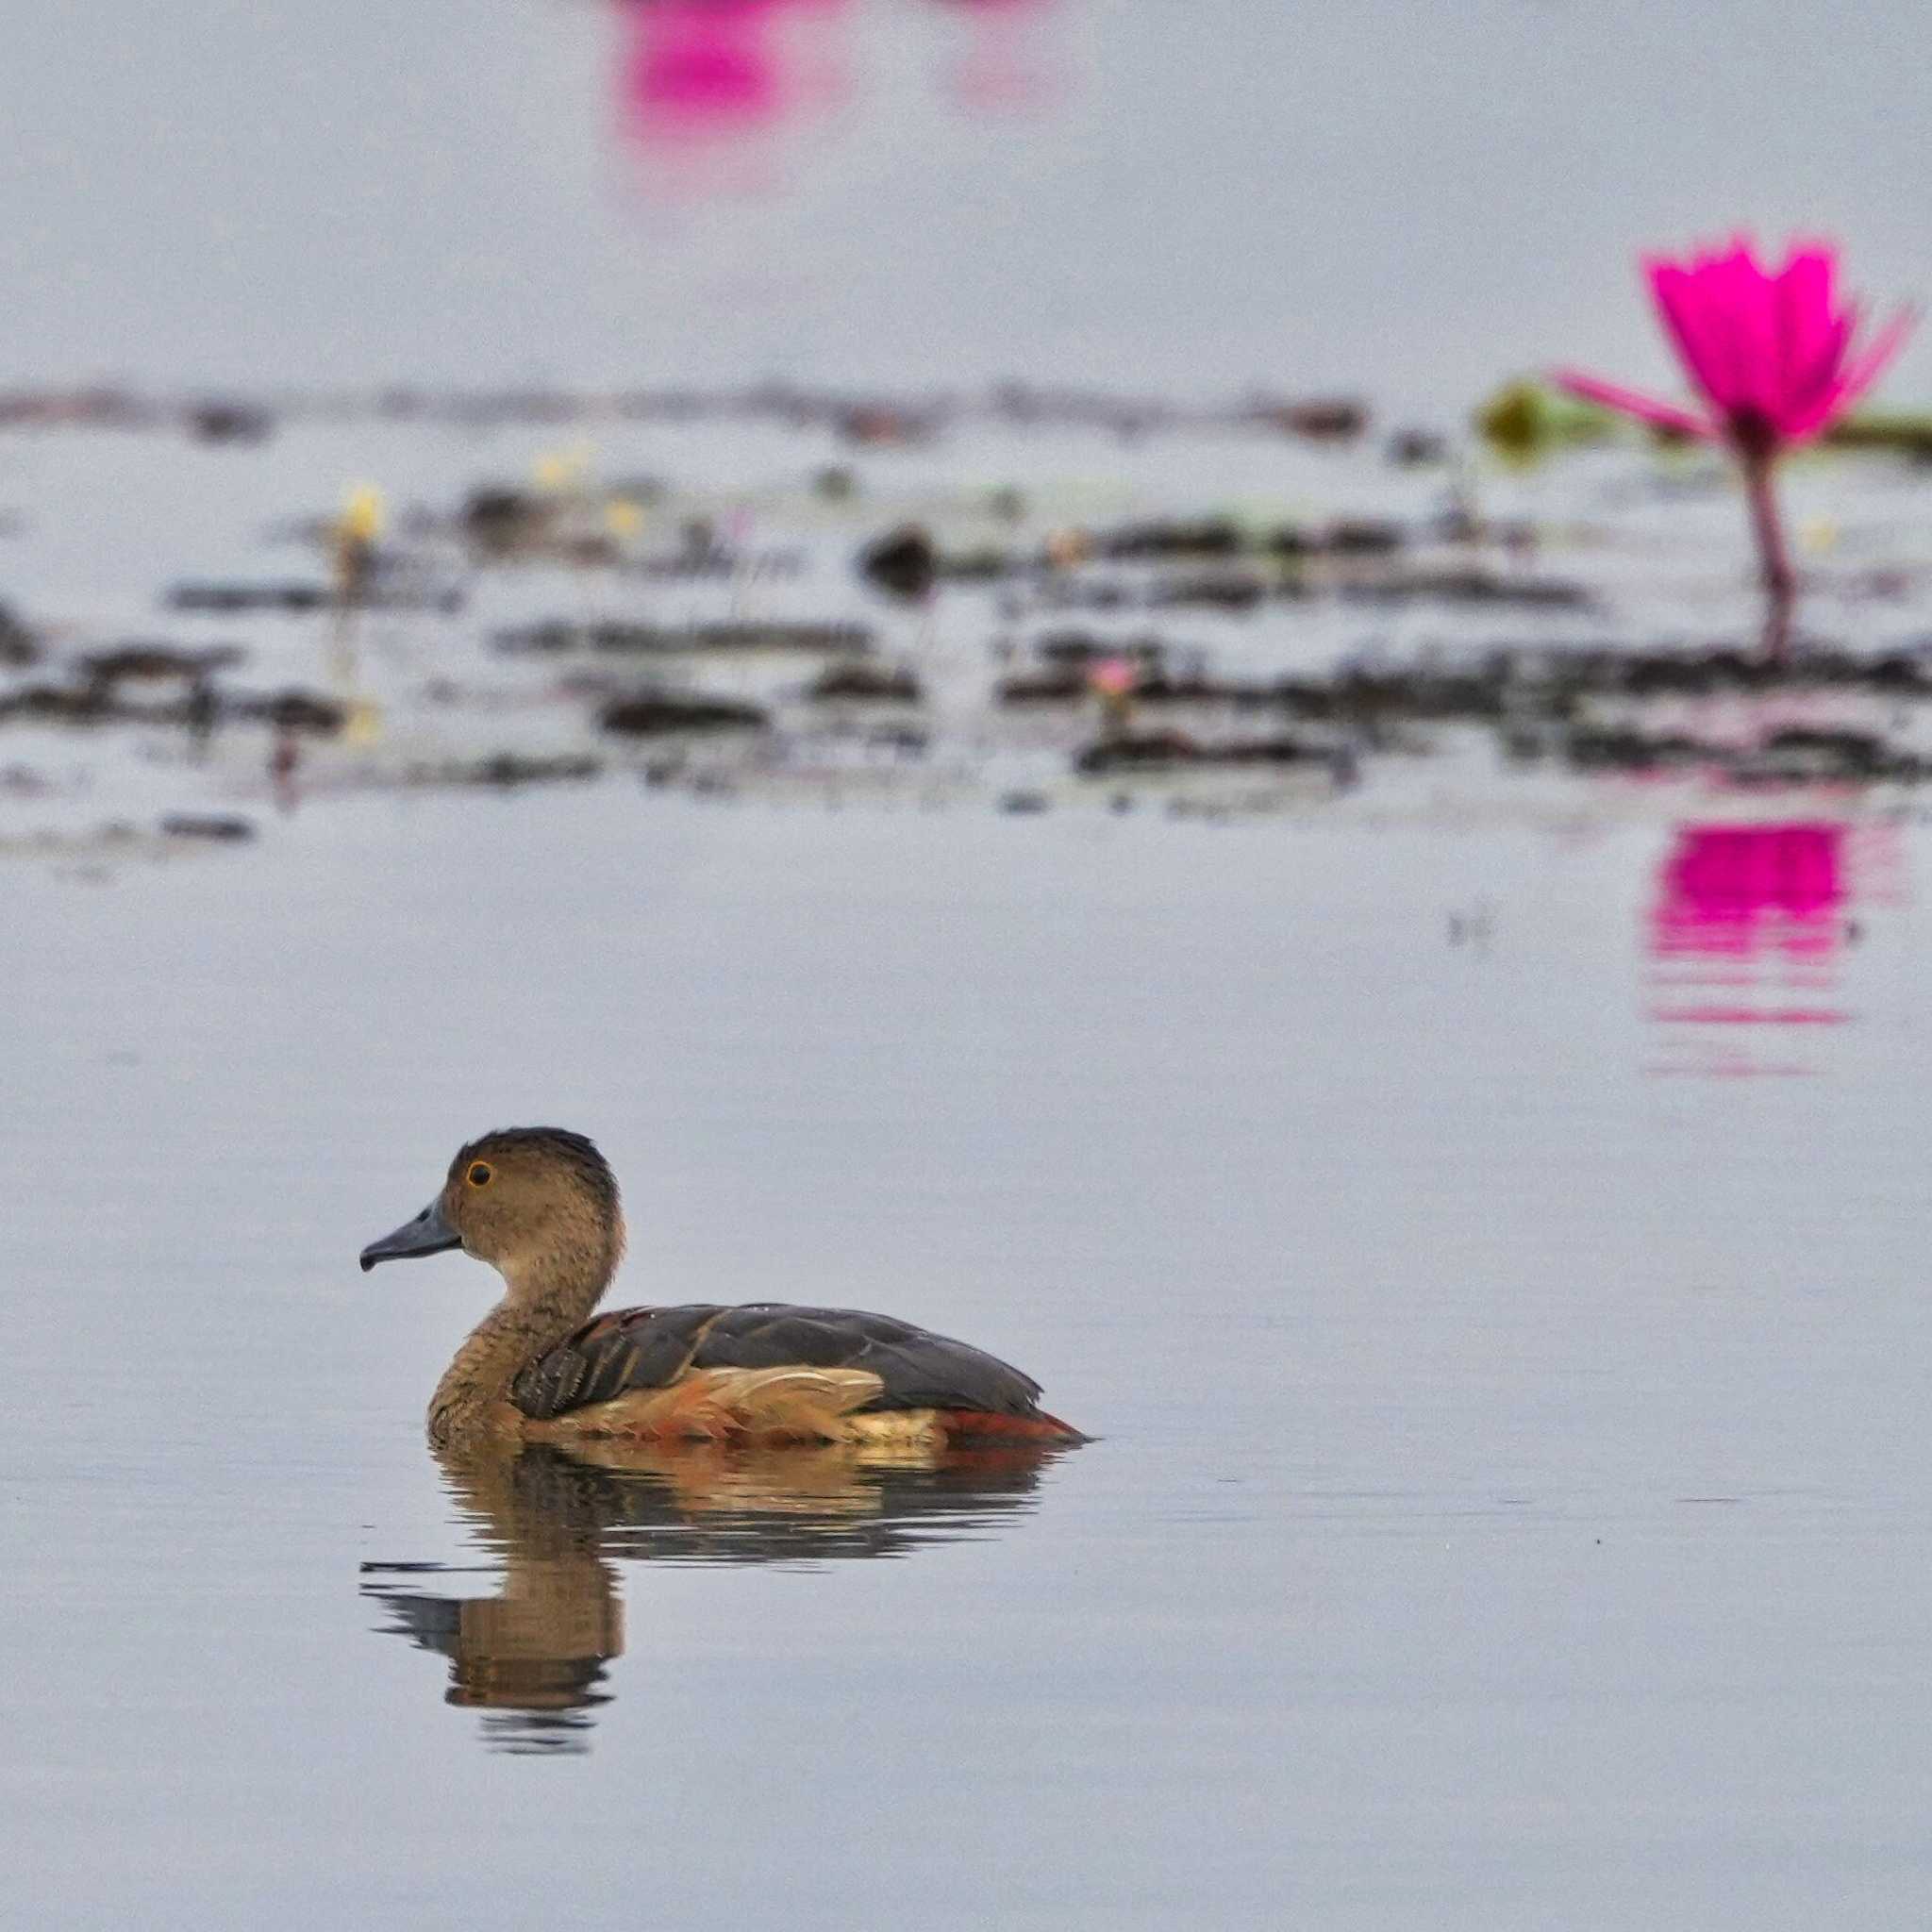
1506	1508
1478	1215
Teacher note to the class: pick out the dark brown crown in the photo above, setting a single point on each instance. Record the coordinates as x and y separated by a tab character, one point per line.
572	1151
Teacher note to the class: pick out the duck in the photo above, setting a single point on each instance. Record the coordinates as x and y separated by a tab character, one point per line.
542	1207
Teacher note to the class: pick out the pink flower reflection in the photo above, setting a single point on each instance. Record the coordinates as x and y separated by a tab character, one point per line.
1746	934
1741	891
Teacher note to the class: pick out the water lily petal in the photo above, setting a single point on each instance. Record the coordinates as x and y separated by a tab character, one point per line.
1676	292
1629	402
1810	387
1711	300
1809	341
1802	306
1861	372
1871	362
1747	305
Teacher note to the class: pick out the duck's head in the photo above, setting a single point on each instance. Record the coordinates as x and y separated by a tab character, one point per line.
518	1198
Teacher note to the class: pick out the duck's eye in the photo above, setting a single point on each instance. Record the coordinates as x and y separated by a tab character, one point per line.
479	1173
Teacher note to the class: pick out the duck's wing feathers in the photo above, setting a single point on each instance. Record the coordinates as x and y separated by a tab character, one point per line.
636	1348
648	1348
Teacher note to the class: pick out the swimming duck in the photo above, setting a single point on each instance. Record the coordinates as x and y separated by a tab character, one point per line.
541	1205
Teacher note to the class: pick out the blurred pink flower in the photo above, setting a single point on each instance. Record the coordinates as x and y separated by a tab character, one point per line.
697	67
1772	352
1113	677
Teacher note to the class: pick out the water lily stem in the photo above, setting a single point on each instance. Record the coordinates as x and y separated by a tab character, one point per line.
1773	560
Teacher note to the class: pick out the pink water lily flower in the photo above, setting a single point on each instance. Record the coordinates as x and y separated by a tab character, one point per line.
1774	354
1771	351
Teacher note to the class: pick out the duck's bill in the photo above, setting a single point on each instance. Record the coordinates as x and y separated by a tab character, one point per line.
428	1234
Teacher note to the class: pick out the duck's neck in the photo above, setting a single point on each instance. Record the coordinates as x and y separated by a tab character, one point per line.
544	1301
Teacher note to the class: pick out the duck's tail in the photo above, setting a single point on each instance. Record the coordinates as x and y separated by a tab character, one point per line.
1036	1427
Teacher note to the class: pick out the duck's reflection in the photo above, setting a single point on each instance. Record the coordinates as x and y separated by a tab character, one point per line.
532	1657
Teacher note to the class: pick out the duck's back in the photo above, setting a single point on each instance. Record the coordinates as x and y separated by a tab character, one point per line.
653	1348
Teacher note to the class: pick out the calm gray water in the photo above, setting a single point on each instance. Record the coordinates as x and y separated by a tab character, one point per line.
1409	199
1508	1508
1478	1215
